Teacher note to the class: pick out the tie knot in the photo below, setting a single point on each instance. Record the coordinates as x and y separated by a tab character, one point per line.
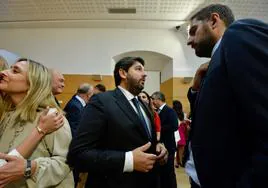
135	101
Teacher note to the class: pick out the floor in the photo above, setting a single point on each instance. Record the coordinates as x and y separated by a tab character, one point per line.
182	178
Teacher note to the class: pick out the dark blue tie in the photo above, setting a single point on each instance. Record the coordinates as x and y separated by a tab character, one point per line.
137	105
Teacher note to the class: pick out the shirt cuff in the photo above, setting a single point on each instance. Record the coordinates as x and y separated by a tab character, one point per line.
193	91
14	152
128	166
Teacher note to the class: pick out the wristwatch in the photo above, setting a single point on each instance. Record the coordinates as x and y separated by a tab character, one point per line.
28	169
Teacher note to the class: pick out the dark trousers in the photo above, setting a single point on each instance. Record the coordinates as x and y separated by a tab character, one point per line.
193	184
167	173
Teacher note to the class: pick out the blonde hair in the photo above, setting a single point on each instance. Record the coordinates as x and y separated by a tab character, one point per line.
3	63
39	95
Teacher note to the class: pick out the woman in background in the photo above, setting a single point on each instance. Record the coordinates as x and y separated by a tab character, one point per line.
144	96
25	94
183	127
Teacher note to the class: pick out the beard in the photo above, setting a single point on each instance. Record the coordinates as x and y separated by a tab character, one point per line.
134	86
205	46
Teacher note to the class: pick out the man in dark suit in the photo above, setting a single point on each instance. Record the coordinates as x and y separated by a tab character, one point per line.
116	141
74	109
169	124
75	106
228	137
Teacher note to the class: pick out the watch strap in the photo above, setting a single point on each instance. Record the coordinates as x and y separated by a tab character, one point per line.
28	169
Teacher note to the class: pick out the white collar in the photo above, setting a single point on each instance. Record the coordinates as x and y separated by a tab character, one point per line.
161	107
216	47
81	100
127	94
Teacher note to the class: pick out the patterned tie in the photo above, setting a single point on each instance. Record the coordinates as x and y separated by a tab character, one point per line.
137	105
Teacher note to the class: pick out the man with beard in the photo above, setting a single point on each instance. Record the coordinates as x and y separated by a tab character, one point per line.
228	137
207	27
116	141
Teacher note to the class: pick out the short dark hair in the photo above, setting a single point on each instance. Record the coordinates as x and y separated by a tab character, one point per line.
224	12
125	64
177	106
100	87
159	95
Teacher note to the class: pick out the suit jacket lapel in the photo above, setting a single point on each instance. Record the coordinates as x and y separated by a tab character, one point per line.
126	107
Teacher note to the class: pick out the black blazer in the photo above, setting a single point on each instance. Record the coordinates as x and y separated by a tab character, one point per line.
110	127
229	134
74	110
169	124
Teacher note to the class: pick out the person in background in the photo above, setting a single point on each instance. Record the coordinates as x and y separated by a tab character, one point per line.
169	124
183	125
74	108
99	88
145	97
57	84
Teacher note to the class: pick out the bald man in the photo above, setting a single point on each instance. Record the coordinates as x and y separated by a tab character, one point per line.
57	82
75	106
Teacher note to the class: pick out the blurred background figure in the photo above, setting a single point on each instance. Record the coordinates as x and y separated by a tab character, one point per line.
99	88
57	84
144	96
74	110
75	106
169	124
183	127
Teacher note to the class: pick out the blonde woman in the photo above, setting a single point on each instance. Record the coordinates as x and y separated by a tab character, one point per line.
25	93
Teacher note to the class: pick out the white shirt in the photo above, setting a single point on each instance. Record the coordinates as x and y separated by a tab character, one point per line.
160	108
81	100
128	165
190	166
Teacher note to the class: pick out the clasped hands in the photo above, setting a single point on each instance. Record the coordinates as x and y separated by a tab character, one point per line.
144	162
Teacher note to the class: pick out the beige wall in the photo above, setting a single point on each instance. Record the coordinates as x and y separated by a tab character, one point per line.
176	89
173	88
72	81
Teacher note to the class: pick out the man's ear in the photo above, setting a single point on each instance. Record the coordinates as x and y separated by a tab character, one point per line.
123	73
214	20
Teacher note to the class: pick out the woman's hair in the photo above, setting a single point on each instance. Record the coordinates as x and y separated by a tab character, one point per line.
3	63
177	106
149	99
39	95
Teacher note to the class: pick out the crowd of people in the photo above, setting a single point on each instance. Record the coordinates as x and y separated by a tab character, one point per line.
124	138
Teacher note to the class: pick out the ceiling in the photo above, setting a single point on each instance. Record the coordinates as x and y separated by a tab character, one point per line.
162	14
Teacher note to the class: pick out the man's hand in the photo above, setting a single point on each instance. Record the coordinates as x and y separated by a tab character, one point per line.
143	162
162	154
200	73
12	171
